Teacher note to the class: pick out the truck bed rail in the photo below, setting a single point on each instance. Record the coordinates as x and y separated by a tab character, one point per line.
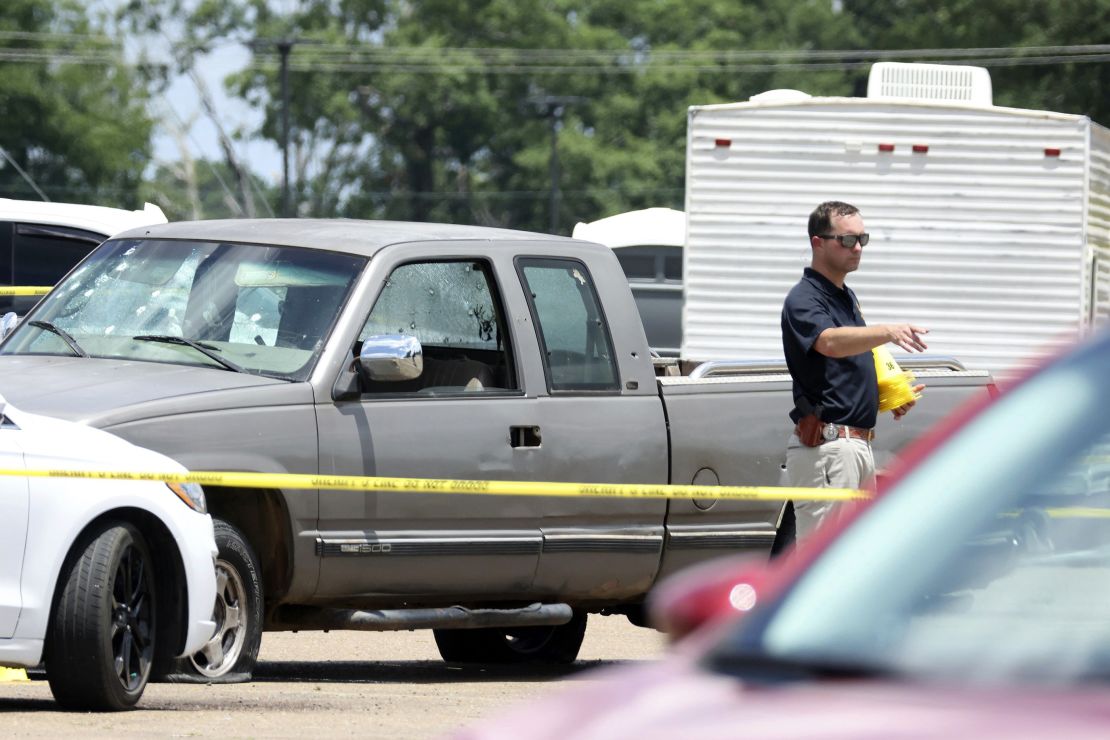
718	368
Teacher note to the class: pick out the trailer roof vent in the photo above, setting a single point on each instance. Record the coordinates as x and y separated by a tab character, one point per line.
781	95
940	82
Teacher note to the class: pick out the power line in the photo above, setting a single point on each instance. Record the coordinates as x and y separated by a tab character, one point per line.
556	54
731	68
623	191
56	36
509	60
433	53
441	65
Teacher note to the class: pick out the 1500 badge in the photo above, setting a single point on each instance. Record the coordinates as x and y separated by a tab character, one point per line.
362	548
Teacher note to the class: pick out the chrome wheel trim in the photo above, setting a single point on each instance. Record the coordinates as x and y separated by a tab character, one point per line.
222	652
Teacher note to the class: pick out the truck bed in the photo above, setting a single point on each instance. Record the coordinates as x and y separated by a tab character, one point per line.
733	430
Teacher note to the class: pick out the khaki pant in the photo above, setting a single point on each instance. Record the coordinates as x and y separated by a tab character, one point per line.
842	463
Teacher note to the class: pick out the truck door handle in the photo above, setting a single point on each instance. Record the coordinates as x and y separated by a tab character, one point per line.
524	436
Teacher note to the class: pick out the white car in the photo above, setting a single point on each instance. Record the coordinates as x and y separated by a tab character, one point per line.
104	581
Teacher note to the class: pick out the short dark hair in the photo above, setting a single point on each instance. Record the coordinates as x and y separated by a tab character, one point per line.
820	221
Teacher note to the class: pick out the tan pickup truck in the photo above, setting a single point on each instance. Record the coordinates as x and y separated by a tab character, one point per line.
418	350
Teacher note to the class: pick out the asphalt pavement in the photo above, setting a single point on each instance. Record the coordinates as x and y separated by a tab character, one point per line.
336	684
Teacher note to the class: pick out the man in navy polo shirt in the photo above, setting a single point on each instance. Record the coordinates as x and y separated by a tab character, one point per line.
828	351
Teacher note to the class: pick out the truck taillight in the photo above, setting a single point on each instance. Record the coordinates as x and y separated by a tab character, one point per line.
992	390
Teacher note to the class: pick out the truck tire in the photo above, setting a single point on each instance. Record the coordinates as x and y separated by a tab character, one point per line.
554	644
230	655
100	644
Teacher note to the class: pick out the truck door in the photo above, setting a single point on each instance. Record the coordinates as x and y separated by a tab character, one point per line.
592	429
456	420
13	529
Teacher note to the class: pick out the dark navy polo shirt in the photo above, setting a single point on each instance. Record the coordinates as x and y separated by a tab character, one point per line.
845	387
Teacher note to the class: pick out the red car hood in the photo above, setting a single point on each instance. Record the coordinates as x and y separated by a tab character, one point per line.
673	699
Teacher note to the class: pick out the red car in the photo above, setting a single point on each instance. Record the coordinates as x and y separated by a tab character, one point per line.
971	598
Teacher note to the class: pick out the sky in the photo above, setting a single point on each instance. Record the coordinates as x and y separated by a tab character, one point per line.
182	105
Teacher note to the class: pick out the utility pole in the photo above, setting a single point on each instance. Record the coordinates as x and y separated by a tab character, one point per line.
553	166
553	107
284	47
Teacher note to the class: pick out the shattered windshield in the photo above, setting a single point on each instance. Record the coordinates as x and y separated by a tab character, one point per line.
245	308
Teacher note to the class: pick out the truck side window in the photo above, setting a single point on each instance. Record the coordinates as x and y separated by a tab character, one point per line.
578	353
454	310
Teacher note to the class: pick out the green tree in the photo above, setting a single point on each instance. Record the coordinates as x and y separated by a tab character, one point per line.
75	120
187	190
443	109
1026	80
425	122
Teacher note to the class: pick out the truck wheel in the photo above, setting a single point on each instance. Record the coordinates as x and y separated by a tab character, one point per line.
100	644
230	655
552	644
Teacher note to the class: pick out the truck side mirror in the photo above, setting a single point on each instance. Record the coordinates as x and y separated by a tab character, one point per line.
718	589
390	358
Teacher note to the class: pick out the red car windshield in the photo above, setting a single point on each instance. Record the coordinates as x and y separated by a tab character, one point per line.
989	561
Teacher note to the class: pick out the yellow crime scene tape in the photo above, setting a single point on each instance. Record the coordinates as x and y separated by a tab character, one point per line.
13	675
447	485
1078	512
443	485
25	289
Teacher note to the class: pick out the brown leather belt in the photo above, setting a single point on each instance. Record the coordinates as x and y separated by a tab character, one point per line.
843	431
855	432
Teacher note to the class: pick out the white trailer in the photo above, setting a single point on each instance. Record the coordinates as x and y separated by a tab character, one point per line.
989	225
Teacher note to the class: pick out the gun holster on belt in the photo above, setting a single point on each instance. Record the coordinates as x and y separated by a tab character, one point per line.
810	426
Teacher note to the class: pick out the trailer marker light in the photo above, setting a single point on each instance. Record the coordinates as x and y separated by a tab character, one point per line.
723	142
1051	152
886	147
921	148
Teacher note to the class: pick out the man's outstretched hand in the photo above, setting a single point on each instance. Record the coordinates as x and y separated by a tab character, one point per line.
907	336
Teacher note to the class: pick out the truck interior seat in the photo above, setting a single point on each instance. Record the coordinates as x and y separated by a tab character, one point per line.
456	372
442	374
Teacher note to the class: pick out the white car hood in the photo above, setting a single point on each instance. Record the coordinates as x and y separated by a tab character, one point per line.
74	445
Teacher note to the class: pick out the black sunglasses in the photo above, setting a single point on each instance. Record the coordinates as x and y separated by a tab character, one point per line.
848	240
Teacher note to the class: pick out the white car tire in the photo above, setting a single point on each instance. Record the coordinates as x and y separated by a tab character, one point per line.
100	645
